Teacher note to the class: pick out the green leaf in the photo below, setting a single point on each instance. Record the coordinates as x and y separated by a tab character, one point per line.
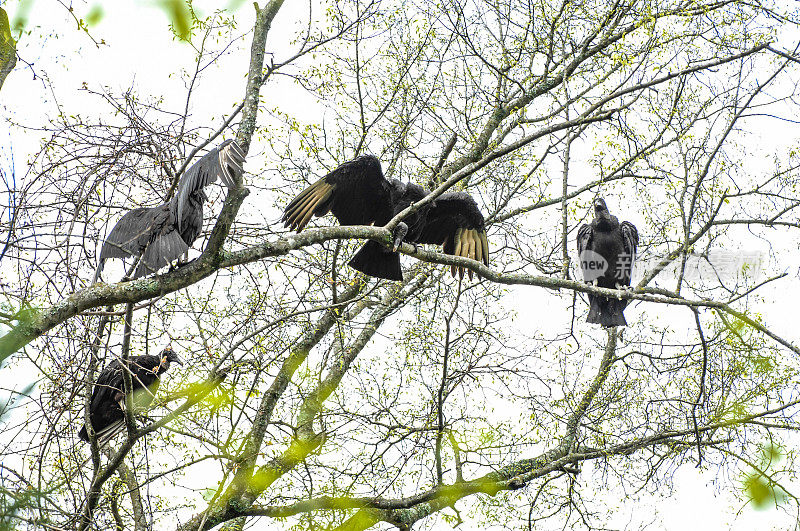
758	490
763	494
8	48
772	454
180	18
21	17
95	15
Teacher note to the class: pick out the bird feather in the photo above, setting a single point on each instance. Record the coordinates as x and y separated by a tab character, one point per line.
357	193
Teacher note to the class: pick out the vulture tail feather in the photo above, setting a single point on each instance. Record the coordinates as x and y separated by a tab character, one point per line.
105	434
376	261
160	252
108	433
605	312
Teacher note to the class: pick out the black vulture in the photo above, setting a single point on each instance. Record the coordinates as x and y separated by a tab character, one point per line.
358	194
161	234
106	409
607	250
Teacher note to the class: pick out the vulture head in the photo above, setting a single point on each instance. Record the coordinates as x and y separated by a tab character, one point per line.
369	162
168	356
600	209
398	187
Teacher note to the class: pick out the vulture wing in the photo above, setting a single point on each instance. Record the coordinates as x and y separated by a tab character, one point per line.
223	162
108	397
132	233
104	409
584	241
109	386
356	193
455	222
145	232
630	241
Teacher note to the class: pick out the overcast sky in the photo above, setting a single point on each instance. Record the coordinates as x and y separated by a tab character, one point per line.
140	51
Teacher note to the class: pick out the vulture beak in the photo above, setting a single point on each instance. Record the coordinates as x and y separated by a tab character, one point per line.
169	356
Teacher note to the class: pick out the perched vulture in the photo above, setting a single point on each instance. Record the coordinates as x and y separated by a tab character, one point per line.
358	194
607	250
108	397
157	236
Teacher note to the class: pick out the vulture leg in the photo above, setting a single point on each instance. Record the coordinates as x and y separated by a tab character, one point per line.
183	260
131	269
129	272
400	232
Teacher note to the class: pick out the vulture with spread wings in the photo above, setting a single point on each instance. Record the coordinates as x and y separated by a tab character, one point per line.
358	194
607	250
156	236
106	409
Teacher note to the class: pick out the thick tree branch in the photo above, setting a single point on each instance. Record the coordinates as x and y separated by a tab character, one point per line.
264	18
204	266
243	491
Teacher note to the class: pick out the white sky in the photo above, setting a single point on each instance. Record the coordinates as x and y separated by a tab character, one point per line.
141	51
